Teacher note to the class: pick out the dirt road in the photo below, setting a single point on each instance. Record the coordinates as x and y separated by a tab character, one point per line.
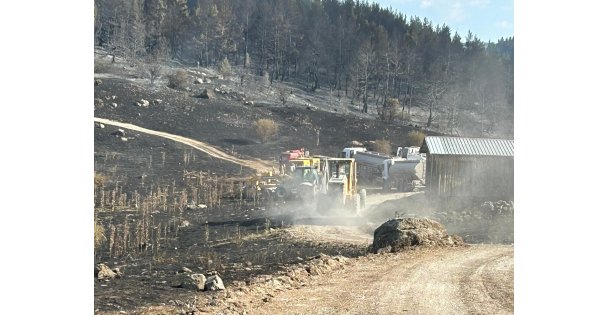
477	279
258	165
467	280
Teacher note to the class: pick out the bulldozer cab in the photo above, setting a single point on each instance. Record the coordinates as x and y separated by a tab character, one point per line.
306	174
343	171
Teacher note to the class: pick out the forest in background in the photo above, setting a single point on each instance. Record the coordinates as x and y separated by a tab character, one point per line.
388	62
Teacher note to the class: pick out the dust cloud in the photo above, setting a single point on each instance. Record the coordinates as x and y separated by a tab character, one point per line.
475	220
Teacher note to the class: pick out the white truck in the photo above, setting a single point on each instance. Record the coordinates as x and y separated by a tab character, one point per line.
403	172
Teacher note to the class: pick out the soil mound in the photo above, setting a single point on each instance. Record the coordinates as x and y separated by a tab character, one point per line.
398	234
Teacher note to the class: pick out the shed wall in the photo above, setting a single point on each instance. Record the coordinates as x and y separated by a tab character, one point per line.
470	176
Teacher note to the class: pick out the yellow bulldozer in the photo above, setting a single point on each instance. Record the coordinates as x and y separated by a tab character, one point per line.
327	182
340	176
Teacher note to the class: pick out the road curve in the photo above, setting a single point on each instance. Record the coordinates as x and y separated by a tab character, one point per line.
468	280
255	164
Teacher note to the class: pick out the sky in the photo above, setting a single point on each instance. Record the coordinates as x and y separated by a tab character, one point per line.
489	20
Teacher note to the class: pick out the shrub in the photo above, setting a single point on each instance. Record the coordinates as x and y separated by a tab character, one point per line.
415	138
154	72
178	80
392	108
225	67
387	113
382	146
265	129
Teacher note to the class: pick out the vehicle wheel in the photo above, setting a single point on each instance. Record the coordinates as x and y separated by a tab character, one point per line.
281	192
363	194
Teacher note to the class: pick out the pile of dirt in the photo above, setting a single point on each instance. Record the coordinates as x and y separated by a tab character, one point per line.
397	234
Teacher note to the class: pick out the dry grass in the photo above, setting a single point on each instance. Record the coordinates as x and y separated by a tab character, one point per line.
139	234
99	180
100	236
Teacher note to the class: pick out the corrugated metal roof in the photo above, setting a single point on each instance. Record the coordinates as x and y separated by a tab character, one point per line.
467	146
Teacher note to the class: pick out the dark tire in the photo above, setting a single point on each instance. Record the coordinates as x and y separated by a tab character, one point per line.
363	194
281	192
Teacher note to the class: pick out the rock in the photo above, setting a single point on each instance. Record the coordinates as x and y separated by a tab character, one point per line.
184	224
104	272
355	143
114	105
99	125
214	283
248	103
142	103
113	97
98	82
196	207
207	94
118	133
157	101
403	233
198	81
125	139
98	102
185	269
118	272
195	281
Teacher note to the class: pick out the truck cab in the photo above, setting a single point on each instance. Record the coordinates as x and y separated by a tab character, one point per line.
349	153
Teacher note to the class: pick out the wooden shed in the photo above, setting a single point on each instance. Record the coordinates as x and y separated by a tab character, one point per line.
469	167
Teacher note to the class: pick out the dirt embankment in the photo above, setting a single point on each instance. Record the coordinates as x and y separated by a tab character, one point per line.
474	279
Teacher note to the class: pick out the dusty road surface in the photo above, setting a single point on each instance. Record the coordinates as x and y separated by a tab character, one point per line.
476	279
257	164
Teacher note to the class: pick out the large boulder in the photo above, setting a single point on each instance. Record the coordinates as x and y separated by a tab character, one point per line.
398	234
194	281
